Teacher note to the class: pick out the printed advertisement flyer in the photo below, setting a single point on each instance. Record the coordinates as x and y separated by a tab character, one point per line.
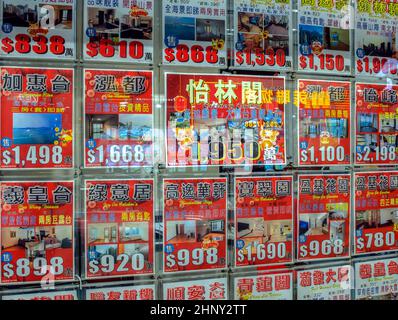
36	118
37	232
194	224
144	292
323	217
376	211
332	283
376	130
194	33
38	29
216	120
263	220
376	280
376	49
119	230
270	286
324	42
324	123
118	31
263	35
204	289
58	295
118	118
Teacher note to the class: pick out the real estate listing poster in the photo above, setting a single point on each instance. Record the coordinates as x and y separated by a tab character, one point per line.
118	31
263	35
269	286
376	279
263	220
215	120
194	33
44	296
331	283
119	229
376	126
36	118
37	232
34	29
118	125
194	224
324	123
323	217
376	211
204	289
376	49
138	292
324	41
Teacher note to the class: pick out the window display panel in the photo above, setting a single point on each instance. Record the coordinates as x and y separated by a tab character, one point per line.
216	120
376	127
118	119
324	36
267	286
44	296
330	283
194	33
376	50
37	127
204	289
194	224
323	217
324	123
119	293
376	279
34	29
119	228
118	31
37	232
263	35
376	215
263	220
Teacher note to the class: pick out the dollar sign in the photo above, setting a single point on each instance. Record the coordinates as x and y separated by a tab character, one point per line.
6	158
7	270
359	66
303	62
170	261
169	54
7	45
93	264
92	49
239	57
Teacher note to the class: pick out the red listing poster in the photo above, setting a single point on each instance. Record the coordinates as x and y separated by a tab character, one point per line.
324	123
118	118
376	279
194	33
331	283
376	211
269	286
217	120
44	296
139	292
263	220
38	29
204	289
324	36
119	228
323	217
118	31
194	224
37	232
37	118
376	130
